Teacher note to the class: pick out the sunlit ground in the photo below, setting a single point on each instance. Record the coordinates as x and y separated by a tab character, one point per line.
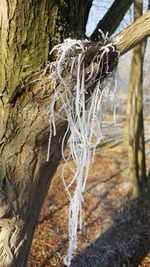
115	230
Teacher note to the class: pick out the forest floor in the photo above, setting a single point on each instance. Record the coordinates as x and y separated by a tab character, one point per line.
116	229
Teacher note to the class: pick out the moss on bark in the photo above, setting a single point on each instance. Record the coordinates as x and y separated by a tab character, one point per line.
29	30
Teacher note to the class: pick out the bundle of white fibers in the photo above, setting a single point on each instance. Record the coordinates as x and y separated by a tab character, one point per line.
84	124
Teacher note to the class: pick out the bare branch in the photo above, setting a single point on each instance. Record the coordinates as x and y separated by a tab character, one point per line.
113	17
134	34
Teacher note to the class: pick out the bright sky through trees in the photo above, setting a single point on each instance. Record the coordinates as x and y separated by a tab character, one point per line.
96	13
99	8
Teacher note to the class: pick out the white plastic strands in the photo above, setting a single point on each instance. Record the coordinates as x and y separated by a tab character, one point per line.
84	118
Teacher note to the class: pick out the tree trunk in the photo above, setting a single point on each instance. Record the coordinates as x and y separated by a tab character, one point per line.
134	131
28	29
25	174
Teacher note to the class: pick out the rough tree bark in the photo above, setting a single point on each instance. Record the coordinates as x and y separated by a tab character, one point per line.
28	29
133	34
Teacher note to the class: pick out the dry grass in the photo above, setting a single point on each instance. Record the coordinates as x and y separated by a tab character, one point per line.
115	231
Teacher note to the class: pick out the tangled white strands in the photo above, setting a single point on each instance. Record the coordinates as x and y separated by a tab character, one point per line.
84	118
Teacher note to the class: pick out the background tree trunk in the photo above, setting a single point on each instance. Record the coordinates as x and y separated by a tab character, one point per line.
134	130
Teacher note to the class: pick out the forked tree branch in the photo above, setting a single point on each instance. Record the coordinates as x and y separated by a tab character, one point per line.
127	39
111	20
134	34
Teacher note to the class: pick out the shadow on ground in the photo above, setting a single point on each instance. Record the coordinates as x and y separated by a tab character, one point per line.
115	230
125	243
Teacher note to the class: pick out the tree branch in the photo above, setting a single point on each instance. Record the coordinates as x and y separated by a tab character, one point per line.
134	34
111	20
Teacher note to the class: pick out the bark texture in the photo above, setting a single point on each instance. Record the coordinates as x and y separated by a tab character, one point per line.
28	30
25	175
133	34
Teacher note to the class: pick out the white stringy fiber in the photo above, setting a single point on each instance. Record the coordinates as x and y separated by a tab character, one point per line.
84	124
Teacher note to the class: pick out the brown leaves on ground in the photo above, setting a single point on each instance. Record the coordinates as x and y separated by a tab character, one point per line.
115	229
